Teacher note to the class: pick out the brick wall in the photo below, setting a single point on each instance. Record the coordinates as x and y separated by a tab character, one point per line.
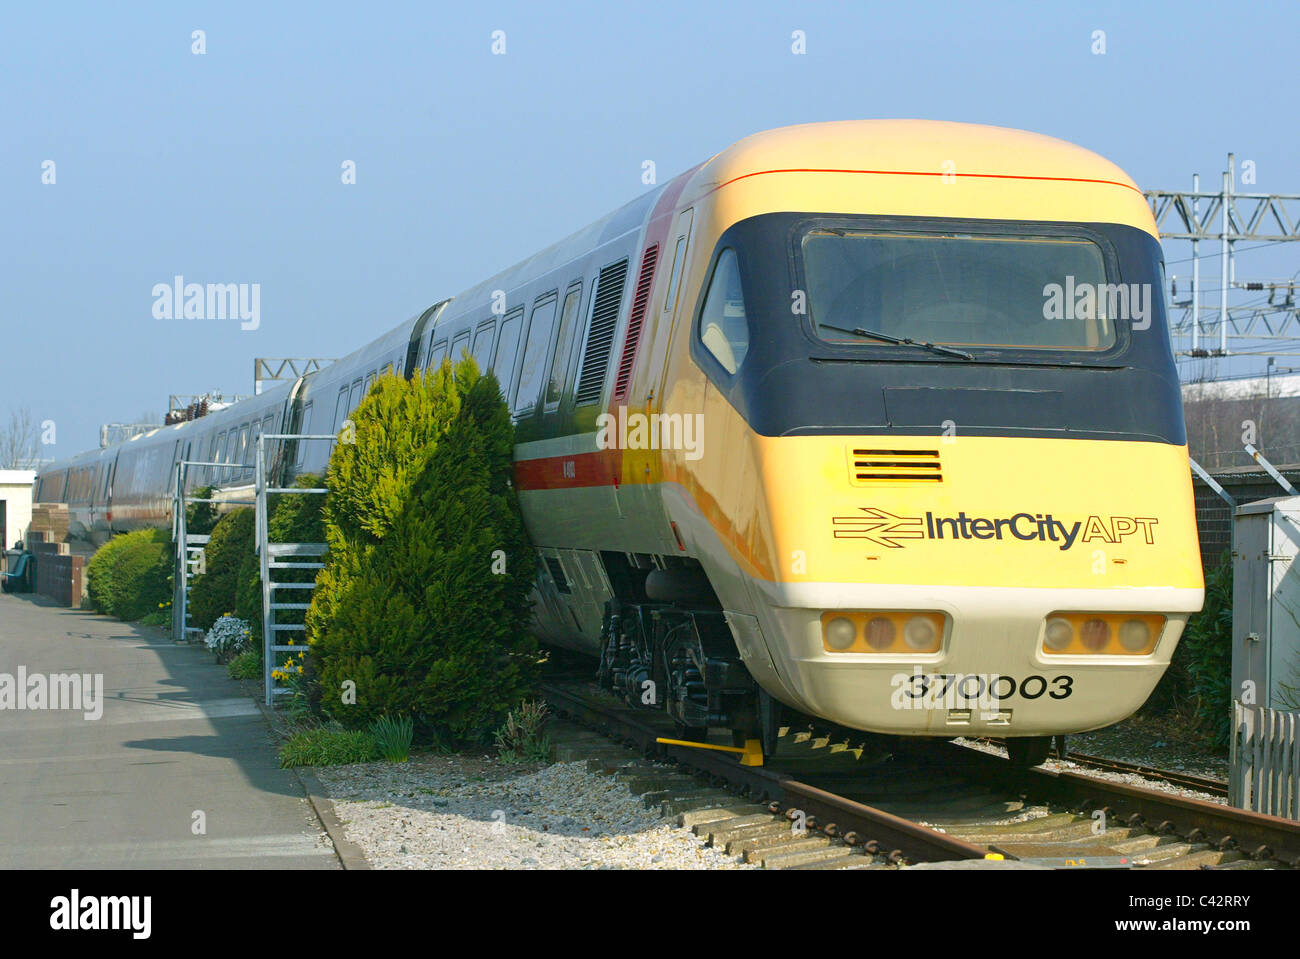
60	575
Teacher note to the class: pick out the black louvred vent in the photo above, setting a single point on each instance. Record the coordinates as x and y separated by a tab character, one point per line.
600	337
868	467
635	322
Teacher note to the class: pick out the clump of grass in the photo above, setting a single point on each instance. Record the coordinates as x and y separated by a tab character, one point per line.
393	737
522	738
247	665
327	746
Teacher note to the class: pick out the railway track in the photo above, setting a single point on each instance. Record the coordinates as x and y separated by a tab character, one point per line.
1203	784
822	802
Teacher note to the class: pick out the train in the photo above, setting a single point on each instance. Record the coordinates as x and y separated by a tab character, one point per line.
875	422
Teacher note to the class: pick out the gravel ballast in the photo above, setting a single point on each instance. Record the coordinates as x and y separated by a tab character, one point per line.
459	812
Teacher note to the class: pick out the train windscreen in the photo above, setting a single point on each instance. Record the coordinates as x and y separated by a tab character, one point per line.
963	289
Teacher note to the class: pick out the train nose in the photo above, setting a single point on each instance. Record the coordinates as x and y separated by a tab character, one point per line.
984	664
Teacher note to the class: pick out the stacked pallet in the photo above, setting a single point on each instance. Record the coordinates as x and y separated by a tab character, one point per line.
50	519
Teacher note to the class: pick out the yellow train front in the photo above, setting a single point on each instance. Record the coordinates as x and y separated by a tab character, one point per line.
941	486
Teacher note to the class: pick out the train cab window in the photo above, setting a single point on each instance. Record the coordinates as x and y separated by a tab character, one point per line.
437	353
723	329
503	364
539	340
563	345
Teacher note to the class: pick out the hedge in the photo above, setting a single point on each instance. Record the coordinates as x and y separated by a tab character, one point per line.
130	576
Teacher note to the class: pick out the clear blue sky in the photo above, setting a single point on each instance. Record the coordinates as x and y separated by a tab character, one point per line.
225	167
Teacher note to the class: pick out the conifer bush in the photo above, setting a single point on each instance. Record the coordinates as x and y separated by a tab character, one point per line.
215	591
423	603
130	576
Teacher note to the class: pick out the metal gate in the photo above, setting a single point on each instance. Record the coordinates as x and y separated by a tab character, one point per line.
1265	760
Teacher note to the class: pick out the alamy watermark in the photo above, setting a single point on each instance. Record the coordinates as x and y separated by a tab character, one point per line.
1085	301
55	691
179	300
651	431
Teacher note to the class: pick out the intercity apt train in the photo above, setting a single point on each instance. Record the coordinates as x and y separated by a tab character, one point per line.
875	422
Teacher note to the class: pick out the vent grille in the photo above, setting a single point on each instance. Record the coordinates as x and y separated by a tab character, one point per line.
636	321
600	337
556	570
869	467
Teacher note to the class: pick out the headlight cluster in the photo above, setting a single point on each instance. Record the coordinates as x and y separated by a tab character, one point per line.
1107	634
882	632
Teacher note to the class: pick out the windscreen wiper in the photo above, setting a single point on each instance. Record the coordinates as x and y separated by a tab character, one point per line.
900	341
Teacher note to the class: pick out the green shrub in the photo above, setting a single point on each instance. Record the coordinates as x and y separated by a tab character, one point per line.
1206	649
247	665
201	518
393	738
327	746
130	576
214	593
523	739
423	603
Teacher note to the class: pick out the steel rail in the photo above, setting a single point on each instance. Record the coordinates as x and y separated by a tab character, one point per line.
856	823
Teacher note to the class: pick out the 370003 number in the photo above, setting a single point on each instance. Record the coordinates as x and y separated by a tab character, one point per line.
977	685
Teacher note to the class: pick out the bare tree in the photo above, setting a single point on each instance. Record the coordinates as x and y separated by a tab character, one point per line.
18	440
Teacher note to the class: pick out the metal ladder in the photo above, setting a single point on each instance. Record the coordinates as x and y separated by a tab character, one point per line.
275	556
190	547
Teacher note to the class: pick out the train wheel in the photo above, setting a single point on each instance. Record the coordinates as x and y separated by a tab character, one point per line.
1026	751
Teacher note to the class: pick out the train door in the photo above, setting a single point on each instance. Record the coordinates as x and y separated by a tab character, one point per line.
660	335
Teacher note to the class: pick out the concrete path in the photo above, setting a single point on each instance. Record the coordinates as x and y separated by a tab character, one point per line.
176	738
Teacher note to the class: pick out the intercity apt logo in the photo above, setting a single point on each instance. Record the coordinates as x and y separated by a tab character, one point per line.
887	529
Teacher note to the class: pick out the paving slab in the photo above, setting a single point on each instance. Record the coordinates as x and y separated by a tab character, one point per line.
176	747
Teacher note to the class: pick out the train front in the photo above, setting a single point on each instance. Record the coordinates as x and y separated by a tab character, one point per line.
953	471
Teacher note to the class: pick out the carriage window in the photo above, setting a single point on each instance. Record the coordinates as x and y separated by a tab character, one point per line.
482	351
354	398
539	338
723	329
439	351
370	381
340	409
458	347
304	426
507	346
965	289
560	364
241	451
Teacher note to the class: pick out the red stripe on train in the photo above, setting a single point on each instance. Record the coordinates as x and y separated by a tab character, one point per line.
575	470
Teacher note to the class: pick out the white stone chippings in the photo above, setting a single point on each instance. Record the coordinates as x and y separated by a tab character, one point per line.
435	816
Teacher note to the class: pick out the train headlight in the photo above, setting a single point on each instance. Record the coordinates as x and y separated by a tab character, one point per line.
1135	635
1095	635
840	633
1058	634
1106	634
889	632
919	634
880	632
